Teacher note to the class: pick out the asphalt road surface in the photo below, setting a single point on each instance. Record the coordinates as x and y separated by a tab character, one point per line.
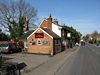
86	61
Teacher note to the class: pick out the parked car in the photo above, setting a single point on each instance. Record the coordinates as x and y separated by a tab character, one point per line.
98	44
9	48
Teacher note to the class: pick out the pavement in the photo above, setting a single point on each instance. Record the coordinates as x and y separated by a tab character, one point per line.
86	61
31	61
40	64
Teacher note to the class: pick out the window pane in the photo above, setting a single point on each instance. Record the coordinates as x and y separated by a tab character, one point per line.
57	41
47	43
38	42
32	43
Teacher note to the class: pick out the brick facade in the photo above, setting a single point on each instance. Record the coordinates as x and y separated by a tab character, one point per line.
47	23
40	48
43	40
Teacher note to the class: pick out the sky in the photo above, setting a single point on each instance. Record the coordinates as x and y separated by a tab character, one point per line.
83	15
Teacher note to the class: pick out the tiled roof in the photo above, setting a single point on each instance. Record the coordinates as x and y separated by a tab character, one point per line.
51	33
25	35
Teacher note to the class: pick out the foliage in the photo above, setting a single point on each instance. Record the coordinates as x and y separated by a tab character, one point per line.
75	35
13	15
92	38
3	37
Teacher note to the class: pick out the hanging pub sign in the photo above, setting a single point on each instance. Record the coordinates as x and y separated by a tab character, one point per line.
39	35
68	35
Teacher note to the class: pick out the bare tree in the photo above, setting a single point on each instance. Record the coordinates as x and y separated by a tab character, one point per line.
13	15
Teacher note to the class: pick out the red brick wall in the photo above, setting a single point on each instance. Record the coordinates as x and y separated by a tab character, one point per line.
42	49
47	23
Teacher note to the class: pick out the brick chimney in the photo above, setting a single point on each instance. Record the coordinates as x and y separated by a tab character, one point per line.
55	21
47	23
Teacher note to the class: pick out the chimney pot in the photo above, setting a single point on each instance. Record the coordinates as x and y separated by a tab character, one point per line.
55	21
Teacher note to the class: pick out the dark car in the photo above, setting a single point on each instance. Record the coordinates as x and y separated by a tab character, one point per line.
9	48
98	44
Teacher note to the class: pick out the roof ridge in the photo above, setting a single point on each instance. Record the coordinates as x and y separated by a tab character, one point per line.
50	32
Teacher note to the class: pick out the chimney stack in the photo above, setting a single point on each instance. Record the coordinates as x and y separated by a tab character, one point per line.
47	23
55	21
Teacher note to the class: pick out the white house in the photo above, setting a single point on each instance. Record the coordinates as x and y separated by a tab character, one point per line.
56	29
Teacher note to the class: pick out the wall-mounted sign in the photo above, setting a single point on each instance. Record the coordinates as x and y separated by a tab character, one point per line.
39	35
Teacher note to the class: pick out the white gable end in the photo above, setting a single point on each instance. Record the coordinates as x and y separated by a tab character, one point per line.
56	29
37	30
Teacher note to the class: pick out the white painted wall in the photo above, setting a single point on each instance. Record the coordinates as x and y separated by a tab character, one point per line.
56	29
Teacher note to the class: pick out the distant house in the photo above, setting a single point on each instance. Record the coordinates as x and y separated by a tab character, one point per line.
98	37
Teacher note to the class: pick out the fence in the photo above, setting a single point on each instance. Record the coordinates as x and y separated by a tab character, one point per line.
7	69
11	69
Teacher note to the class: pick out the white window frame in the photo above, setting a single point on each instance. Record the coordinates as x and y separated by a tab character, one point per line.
38	42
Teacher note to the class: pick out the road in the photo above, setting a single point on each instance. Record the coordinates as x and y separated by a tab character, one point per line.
86	61
53	64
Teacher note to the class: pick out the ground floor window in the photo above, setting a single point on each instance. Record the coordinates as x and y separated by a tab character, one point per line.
32	43
46	43
57	42
39	42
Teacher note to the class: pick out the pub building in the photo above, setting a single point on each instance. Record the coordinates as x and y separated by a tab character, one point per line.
46	39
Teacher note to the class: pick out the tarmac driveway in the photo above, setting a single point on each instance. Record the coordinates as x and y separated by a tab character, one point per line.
31	60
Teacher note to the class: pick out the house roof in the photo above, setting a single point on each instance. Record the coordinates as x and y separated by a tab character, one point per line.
56	24
25	35
47	31
51	33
